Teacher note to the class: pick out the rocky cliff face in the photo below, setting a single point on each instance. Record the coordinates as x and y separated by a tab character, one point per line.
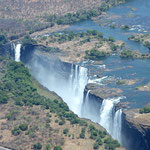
135	126
27	52
136	130
96	94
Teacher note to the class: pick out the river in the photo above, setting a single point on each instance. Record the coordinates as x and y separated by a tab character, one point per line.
138	70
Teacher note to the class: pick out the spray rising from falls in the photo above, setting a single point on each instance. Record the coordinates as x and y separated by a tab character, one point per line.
71	88
110	119
17	49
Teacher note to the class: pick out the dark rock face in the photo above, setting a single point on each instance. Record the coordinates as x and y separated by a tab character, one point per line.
7	50
96	94
136	135
27	52
91	106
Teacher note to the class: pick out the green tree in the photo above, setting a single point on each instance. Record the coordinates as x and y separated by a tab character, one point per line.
27	40
3	39
23	127
96	146
37	146
3	98
57	148
47	147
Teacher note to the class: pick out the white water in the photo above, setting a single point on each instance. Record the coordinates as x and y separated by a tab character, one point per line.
117	125
98	80
86	109
17	52
109	119
71	89
77	82
87	95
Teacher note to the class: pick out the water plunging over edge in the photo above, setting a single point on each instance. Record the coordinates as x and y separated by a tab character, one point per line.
110	119
71	89
17	49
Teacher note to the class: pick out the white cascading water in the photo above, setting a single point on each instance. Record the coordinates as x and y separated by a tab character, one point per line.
98	80
87	95
110	121
77	82
17	49
117	125
72	89
86	107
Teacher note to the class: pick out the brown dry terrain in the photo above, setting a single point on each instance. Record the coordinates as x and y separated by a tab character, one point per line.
30	9
140	121
75	50
20	17
17	17
42	128
144	87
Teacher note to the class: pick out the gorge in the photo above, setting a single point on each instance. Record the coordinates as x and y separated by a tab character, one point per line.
108	91
70	82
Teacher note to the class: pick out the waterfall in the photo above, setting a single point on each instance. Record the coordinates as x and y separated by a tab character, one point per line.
86	110
109	119
87	95
17	49
117	125
77	82
70	88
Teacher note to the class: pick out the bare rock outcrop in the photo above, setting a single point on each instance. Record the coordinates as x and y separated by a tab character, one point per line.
136	130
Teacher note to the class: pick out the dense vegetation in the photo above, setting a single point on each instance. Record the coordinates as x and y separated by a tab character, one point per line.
147	44
94	54
3	39
27	40
98	136
71	18
127	54
70	35
17	83
125	27
141	38
145	109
